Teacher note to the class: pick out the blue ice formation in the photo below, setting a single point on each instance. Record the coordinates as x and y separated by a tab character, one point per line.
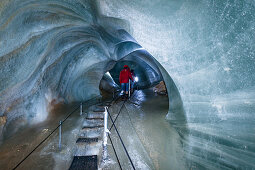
60	49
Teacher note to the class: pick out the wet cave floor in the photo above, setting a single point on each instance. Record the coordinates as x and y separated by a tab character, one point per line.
150	140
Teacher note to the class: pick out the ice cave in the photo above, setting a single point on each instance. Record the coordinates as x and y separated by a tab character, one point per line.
192	108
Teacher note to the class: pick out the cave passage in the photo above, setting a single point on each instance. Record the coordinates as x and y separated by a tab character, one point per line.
57	54
147	75
145	111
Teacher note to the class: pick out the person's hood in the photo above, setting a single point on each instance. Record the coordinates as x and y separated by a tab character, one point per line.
125	66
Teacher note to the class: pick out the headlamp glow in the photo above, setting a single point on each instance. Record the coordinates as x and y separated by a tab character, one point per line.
136	79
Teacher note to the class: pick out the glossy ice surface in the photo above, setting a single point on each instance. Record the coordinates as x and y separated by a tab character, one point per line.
56	51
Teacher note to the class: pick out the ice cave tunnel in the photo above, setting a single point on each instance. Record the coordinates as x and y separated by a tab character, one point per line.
60	61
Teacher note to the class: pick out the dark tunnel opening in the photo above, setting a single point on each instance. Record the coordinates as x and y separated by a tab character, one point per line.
155	107
145	74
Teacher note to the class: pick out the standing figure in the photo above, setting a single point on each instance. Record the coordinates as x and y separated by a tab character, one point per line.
132	82
125	75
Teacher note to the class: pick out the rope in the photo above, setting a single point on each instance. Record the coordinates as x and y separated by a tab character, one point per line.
117	115
49	135
114	99
43	140
121	141
115	151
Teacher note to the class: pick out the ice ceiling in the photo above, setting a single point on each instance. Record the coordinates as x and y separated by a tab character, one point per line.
58	49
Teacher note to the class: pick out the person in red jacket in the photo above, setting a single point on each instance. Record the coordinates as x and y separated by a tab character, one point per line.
125	75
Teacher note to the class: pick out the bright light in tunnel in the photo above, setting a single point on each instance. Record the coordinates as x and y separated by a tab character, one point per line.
107	73
136	79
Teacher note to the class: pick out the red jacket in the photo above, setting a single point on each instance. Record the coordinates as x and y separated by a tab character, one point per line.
125	75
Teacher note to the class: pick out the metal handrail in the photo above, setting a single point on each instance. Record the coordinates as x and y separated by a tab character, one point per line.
108	133
59	126
121	139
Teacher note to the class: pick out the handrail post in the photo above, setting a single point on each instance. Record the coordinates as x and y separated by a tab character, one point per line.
105	127
105	134
129	88
81	109
59	142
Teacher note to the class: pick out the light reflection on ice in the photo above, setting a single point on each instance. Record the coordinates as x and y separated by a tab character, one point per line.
40	111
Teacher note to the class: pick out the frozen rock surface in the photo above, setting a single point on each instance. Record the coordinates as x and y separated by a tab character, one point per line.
58	50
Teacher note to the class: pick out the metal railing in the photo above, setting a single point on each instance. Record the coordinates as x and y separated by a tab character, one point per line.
121	139
60	128
107	132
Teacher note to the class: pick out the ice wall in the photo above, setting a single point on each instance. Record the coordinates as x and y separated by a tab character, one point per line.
208	49
51	51
52	48
54	51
